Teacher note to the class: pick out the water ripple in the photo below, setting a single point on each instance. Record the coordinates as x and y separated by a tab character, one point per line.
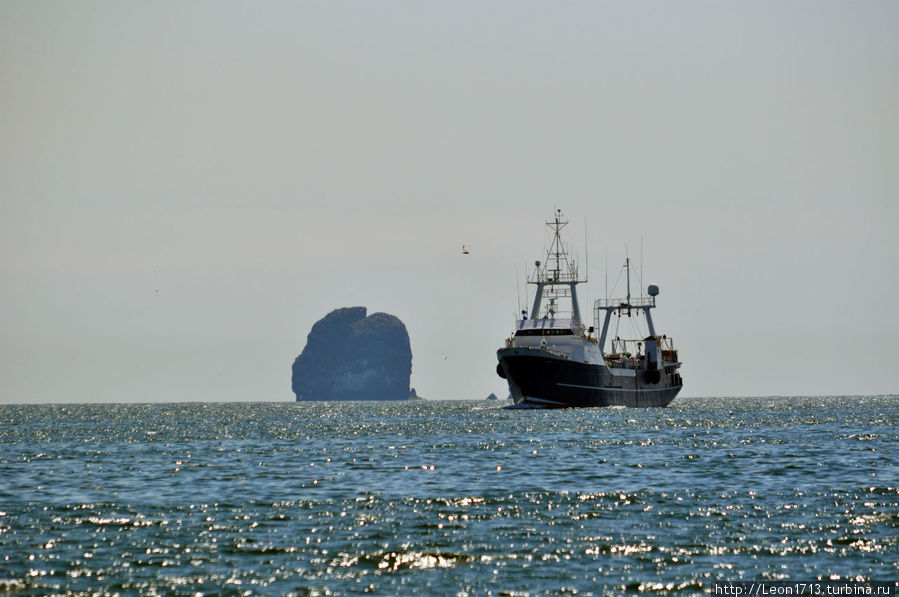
444	498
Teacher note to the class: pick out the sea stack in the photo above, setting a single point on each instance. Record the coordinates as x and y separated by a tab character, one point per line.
351	356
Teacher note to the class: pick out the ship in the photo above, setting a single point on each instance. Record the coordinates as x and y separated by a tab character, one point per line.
554	360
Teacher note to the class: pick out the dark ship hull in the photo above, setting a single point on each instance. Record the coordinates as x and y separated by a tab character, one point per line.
539	378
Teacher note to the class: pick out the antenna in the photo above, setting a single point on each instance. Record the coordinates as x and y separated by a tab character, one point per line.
641	266
517	290
627	267
527	300
586	253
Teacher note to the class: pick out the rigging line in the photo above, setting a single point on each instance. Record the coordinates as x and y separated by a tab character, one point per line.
615	287
586	254
636	329
607	274
641	266
527	302
518	290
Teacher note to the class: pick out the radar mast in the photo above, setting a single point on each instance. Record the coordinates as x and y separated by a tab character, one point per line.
557	277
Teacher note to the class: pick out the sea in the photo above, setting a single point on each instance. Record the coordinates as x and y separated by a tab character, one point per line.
446	497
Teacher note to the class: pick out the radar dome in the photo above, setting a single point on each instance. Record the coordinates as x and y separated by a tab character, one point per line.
653	290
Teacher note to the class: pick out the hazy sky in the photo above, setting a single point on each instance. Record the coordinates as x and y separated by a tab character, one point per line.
186	187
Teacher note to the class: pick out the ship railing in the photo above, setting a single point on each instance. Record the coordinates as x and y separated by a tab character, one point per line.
666	342
626	346
555	278
623	361
623	303
632	348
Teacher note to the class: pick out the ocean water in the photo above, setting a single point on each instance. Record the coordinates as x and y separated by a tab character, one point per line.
445	498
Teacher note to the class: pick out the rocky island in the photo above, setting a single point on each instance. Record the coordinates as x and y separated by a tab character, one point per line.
353	356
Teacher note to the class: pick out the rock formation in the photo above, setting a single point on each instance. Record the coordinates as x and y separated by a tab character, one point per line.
349	356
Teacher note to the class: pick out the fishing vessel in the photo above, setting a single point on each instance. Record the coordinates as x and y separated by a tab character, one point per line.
553	360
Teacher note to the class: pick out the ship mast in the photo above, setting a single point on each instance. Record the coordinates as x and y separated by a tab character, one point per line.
557	277
627	266
625	306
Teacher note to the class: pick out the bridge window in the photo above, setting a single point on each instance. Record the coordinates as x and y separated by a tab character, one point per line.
545	332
